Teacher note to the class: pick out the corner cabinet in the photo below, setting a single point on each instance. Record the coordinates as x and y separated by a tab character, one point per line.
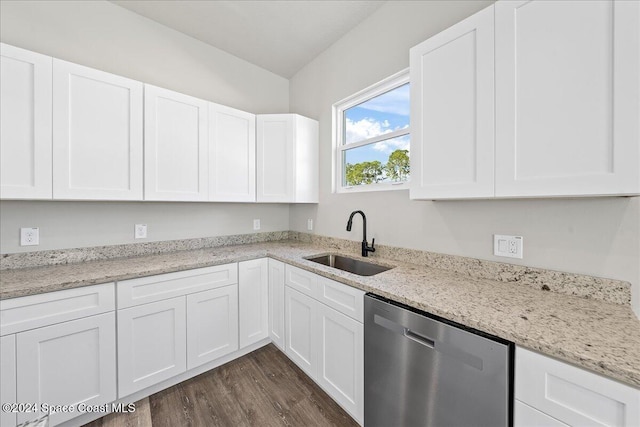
175	146
232	155
566	96
253	294
25	124
97	134
287	159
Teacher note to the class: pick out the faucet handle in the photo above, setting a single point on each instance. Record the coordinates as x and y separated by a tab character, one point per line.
373	242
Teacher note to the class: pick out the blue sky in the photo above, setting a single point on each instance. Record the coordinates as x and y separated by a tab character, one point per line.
380	115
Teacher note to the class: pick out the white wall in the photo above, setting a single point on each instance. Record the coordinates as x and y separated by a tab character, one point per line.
599	237
102	35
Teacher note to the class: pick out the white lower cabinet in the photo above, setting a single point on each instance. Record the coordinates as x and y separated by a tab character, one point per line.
253	293
8	375
151	344
341	359
276	302
48	372
212	325
554	393
325	336
301	330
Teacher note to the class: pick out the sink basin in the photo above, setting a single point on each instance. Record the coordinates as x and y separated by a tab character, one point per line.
351	265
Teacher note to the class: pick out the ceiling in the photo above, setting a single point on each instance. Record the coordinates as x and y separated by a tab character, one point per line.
280	36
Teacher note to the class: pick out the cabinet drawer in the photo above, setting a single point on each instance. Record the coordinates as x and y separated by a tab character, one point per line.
573	395
20	314
343	298
302	280
164	286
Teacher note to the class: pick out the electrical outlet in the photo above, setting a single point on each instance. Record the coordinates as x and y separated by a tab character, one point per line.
508	246
140	231
256	224
309	224
30	236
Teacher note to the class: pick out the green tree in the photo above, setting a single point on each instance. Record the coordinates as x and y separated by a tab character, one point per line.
397	167
364	173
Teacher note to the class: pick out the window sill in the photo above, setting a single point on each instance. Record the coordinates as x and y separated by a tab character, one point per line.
388	186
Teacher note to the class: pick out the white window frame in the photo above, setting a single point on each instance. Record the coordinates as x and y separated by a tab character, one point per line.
338	110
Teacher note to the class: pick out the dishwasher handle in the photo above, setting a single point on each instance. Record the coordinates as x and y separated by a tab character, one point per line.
420	339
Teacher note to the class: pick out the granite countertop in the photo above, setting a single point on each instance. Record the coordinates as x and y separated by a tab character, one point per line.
601	336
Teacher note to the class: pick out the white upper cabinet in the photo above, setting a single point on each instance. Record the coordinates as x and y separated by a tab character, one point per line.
567	98
452	94
97	134
232	155
176	146
287	149
25	124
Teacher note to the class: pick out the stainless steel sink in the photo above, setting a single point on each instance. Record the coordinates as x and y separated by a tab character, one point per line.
351	265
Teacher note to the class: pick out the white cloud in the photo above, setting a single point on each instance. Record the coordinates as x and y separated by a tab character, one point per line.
365	128
390	145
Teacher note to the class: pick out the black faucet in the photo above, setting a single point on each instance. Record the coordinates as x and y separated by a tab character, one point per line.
365	246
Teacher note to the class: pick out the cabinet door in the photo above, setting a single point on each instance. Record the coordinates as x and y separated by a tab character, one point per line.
341	360
567	98
175	144
276	302
8	373
151	344
452	123
573	395
526	416
232	155
67	364
97	134
275	138
253	285
301	326
212	325
25	124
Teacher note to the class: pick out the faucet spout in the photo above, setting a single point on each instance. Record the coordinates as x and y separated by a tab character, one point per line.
365	245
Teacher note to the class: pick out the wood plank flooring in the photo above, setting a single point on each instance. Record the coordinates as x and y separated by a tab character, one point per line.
263	388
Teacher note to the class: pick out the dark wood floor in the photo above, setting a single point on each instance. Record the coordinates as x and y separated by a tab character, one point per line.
263	388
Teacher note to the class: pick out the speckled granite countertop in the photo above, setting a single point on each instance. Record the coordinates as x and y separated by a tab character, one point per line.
597	335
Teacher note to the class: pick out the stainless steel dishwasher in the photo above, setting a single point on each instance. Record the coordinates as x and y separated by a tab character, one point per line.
421	370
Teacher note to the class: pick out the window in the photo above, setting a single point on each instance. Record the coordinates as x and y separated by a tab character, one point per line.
371	139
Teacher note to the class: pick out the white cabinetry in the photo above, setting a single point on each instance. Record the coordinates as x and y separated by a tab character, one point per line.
173	322
212	325
301	323
550	392
58	349
232	155
253	286
276	303
287	159
97	134
325	335
152	344
8	374
452	95
176	147
67	363
567	98
25	124
567	103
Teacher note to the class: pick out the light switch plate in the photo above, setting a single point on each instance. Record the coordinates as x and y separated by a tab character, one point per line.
30	236
508	246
